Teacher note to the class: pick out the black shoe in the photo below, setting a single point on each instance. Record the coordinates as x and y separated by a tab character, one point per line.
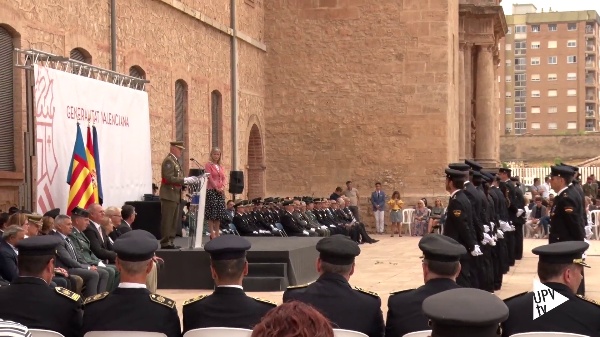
170	247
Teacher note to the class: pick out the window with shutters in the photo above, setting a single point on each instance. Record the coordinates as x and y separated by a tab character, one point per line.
7	135
181	92
216	103
137	72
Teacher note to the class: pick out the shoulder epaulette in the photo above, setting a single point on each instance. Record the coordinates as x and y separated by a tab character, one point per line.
195	299
366	291
68	293
263	301
167	302
515	296
401	291
95	297
299	286
588	300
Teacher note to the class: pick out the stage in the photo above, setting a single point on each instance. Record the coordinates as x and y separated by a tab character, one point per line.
273	264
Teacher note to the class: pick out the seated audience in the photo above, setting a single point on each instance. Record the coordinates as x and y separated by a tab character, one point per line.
99	240
8	252
420	219
434	217
533	224
114	215
293	319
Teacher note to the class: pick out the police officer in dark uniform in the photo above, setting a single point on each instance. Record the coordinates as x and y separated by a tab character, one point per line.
560	268
29	300
228	306
520	218
347	307
501	217
496	250
132	307
508	190
466	313
458	224
441	266
565	219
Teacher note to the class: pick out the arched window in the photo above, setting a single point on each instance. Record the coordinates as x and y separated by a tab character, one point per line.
138	72
181	102
7	135
216	117
81	55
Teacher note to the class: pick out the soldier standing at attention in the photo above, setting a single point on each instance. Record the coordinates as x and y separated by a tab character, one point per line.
170	194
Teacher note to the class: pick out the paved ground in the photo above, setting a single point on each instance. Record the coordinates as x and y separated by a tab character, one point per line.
393	264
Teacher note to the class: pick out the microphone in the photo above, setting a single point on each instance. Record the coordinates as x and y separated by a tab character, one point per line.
195	161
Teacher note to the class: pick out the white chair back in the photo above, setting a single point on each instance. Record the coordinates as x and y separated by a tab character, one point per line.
596	217
44	333
347	333
218	332
407	217
123	334
423	333
547	334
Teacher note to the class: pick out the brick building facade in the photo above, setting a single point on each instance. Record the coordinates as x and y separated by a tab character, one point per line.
328	90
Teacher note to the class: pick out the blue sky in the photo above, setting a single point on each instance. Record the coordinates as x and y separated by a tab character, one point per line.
556	5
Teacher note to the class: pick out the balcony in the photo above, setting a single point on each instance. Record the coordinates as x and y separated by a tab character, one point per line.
590	64
590	98
590	49
590	30
590	82
590	114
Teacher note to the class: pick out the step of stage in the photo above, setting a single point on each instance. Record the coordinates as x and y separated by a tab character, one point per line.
267	269
261	283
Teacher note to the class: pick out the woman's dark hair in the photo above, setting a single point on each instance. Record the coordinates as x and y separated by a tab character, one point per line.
424	201
293	319
396	193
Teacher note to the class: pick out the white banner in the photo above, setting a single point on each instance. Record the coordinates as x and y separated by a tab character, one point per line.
121	117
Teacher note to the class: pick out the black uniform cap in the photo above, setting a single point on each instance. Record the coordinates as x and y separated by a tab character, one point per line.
227	247
487	177
561	171
77	211
437	247
476	174
288	202
505	170
239	203
268	200
257	201
566	252
38	245
338	249
465	312
308	200
53	213
135	246
475	166
459	167
574	168
453	174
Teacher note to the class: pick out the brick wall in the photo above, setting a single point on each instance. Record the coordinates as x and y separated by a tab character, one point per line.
544	149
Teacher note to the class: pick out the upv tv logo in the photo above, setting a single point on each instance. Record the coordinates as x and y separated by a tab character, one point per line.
545	299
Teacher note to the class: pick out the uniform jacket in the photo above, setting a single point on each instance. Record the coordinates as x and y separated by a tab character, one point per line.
172	179
565	218
82	245
458	221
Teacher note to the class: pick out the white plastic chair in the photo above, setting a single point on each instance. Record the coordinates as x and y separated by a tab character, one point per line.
347	333
44	333
407	217
596	217
218	332
547	334
422	333
123	334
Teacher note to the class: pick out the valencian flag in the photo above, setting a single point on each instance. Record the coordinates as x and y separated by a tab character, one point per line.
91	160
79	178
97	161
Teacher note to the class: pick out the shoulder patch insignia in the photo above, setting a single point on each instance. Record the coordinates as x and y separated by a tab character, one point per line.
263	301
457	213
569	209
401	291
95	297
162	300
366	292
588	299
68	293
195	299
299	286
515	296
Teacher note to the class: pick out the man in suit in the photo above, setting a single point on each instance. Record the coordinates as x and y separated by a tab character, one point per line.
347	307
228	306
68	257
8	252
132	307
30	301
378	203
99	242
127	218
441	266
560	268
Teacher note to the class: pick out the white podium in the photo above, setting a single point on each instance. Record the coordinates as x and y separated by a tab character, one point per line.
196	212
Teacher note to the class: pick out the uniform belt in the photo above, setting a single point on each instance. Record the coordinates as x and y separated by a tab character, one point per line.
164	181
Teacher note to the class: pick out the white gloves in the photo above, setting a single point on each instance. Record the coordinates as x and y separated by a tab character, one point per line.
520	212
486	228
255	232
476	251
312	229
305	232
332	226
505	226
323	227
190	180
101	264
492	225
500	234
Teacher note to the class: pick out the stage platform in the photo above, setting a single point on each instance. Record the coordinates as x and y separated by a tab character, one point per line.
273	264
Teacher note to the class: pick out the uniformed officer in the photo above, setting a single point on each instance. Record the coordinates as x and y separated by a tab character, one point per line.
559	268
349	308
170	194
508	189
465	312
441	266
132	307
30	301
228	306
458	224
565	220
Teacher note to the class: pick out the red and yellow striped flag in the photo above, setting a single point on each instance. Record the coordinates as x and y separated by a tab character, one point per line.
79	178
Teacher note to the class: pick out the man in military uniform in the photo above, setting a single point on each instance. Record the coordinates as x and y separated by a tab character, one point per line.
170	194
520	218
459	226
228	306
559	268
441	266
347	307
30	301
289	223
466	313
508	189
565	220
132	307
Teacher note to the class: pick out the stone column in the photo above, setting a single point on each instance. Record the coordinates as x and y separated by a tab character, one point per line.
468	94
497	128
461	103
484	137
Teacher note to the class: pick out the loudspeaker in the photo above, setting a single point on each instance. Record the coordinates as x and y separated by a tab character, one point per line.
236	182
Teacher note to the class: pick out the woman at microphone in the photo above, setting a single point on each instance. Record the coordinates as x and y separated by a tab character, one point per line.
215	194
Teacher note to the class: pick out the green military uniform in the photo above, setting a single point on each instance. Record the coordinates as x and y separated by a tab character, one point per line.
170	197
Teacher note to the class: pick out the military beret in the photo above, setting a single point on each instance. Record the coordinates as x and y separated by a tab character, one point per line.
566	252
38	245
227	247
437	247
178	145
561	171
504	170
77	211
34	218
475	166
454	174
459	167
338	249
288	202
135	246
53	213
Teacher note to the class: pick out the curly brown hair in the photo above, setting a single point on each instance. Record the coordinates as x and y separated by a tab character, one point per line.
293	319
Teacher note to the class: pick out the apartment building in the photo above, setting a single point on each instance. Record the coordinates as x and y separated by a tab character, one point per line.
549	72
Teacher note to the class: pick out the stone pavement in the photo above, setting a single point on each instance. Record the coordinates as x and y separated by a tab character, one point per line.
393	264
